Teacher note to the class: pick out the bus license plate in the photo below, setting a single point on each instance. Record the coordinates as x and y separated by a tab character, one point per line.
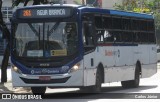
44	78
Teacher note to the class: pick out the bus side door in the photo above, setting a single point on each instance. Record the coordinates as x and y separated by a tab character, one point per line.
89	53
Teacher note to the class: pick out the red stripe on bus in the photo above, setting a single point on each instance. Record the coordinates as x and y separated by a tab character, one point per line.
108	44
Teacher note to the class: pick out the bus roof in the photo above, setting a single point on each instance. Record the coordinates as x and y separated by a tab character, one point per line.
131	14
99	10
116	12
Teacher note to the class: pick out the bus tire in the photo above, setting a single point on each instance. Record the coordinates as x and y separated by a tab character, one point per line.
97	87
132	83
38	90
85	89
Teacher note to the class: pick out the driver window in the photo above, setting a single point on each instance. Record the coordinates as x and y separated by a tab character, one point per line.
88	40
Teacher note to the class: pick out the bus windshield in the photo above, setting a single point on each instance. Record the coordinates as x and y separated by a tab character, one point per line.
47	39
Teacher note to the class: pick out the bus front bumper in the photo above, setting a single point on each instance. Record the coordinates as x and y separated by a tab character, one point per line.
74	79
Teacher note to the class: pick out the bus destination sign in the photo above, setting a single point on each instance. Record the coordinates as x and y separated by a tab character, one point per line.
44	12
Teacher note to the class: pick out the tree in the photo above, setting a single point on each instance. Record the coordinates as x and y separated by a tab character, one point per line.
126	5
133	5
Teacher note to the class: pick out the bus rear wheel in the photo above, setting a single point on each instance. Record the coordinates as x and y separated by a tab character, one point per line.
38	90
132	83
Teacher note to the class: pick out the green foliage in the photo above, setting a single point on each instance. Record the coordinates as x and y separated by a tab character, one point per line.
127	5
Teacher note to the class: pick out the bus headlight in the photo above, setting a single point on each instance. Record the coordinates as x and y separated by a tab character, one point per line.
74	68
16	69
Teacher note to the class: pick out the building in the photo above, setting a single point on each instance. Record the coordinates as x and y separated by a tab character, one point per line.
109	4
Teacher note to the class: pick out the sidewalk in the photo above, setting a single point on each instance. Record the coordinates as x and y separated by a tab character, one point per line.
8	88
4	87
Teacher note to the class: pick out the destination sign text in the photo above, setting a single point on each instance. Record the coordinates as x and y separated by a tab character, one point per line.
44	12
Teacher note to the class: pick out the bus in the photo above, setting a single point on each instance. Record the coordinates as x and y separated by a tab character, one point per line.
61	46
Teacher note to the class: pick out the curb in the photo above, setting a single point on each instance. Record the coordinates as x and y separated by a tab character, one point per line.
4	89
8	88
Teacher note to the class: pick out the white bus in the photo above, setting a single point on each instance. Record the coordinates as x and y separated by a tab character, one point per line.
78	46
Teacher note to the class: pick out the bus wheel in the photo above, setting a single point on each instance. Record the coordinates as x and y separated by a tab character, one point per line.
97	87
38	90
132	83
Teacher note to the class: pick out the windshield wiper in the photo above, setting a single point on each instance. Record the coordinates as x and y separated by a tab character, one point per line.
53	28
33	29
49	32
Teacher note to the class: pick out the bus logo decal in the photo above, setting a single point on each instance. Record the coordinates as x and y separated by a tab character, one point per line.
64	68
44	64
44	71
32	71
112	53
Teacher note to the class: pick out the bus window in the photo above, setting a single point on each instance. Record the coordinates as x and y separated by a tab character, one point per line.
44	39
117	36
98	22
100	36
151	38
126	24
108	36
150	25
107	22
117	23
88	39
